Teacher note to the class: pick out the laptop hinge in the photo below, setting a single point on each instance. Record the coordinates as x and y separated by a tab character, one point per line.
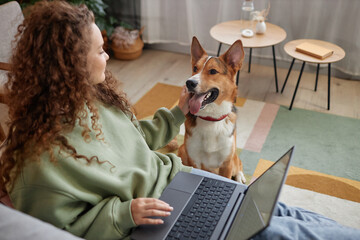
232	215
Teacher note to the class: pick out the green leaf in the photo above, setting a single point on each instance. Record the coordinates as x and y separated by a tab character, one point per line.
101	23
113	20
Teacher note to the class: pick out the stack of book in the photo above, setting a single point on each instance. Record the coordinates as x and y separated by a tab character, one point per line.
314	50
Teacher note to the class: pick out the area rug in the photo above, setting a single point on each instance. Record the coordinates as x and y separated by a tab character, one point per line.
325	168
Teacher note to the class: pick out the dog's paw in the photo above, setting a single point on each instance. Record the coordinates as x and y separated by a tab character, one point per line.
172	145
240	177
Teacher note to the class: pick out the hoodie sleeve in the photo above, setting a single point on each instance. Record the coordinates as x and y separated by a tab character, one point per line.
110	218
163	127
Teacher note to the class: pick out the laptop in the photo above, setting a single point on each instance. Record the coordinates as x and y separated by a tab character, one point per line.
208	208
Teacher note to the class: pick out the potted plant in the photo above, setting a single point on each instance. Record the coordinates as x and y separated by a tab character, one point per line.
126	43
260	17
104	21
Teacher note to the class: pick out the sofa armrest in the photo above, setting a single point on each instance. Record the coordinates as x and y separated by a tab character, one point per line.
17	225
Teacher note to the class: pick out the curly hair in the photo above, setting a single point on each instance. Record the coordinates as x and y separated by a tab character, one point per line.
48	86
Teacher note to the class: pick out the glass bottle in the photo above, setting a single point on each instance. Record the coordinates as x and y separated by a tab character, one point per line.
246	18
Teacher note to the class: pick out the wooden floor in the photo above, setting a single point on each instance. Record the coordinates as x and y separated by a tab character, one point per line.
140	75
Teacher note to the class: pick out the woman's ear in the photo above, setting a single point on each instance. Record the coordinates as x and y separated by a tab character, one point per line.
234	56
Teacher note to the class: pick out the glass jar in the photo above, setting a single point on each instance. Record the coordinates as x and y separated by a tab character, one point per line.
246	18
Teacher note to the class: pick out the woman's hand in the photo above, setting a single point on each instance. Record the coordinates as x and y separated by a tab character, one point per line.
184	100
143	208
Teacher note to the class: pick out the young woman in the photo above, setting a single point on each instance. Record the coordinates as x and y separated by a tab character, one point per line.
75	155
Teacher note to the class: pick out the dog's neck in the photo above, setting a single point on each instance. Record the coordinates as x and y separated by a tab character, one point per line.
214	119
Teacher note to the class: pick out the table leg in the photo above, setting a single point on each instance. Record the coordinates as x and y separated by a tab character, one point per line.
237	78
274	59
287	76
317	76
297	85
250	60
218	53
329	77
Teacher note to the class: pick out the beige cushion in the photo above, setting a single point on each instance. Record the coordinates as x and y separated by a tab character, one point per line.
11	17
3	79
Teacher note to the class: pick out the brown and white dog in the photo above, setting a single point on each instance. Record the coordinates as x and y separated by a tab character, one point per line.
210	139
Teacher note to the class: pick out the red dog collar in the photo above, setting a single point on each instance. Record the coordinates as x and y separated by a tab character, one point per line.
214	119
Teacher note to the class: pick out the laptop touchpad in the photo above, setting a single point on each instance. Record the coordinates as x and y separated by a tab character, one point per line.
185	182
176	199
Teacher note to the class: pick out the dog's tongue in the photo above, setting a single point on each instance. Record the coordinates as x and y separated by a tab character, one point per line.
195	103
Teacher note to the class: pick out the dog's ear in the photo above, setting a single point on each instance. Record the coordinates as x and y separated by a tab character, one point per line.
196	51
234	56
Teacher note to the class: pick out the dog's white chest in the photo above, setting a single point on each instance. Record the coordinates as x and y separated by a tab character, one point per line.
210	142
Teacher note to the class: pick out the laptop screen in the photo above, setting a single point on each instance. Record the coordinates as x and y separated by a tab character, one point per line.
260	200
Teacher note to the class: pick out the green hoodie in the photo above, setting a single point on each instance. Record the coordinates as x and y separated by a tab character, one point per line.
93	200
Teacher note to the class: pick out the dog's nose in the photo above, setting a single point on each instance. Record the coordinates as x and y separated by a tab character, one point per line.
191	84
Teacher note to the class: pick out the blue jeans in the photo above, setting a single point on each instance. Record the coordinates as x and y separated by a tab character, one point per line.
297	223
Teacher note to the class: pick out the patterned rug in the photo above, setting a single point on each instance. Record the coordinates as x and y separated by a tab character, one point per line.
325	168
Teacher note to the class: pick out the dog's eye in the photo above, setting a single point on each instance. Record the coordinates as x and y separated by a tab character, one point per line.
213	71
195	69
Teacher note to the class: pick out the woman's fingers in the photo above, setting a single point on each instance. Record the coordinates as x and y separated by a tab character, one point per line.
149	214
152	221
153	203
184	100
143	209
156	213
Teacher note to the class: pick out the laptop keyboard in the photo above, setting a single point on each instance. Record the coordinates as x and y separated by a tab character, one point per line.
202	213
